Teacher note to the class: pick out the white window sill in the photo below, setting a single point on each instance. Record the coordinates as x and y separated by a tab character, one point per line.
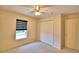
21	39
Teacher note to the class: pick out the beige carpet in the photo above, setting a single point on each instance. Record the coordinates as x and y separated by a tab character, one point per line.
38	47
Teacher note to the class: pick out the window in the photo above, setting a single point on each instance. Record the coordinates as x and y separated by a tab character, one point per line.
21	29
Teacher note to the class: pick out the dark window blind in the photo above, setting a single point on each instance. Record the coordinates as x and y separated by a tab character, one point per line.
21	24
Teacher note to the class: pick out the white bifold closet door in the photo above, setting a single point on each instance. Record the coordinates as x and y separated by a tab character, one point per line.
46	32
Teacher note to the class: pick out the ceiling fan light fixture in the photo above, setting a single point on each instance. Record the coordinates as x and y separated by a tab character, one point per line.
37	13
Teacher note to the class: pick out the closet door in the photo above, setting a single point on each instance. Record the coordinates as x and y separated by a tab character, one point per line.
46	32
69	33
72	33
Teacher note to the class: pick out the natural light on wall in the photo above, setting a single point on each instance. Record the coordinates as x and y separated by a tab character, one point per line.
21	29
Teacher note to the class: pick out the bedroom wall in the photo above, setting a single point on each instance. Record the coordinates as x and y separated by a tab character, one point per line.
8	29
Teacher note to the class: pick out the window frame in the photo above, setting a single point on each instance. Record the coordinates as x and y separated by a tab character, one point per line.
22	29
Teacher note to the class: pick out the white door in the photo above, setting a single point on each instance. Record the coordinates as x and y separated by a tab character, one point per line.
46	32
72	33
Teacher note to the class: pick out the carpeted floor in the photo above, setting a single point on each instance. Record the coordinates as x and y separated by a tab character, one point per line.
39	47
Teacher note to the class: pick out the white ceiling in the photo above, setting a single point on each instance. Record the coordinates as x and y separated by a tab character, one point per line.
48	10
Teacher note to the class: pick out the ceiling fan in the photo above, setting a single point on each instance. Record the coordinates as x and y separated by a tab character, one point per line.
37	10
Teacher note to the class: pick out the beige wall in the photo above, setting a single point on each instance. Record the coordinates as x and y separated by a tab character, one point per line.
8	30
72	31
56	21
